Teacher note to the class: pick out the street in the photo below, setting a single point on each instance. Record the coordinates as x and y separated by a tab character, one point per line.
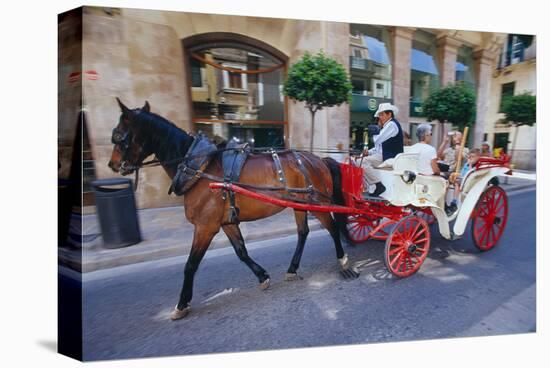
458	292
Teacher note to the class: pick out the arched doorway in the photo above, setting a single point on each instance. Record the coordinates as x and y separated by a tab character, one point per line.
235	84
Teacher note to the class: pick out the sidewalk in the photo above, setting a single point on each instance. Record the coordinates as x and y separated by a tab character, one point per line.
166	233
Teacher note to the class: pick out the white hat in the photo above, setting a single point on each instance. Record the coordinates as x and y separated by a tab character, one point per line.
386	106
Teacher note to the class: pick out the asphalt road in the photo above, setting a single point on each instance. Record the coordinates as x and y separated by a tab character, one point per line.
458	292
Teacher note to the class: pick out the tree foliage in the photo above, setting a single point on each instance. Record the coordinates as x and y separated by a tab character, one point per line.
319	81
520	109
454	103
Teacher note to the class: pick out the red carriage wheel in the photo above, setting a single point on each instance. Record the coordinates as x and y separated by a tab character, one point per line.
358	228
489	218
407	246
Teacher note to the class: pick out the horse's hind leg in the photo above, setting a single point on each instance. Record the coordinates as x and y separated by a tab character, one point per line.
303	231
201	240
328	223
236	238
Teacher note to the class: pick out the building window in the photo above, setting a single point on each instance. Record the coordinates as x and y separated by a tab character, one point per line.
465	67
517	49
424	72
507	91
197	74
237	93
234	82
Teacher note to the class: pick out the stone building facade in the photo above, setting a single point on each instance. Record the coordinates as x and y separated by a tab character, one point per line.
175	61
515	73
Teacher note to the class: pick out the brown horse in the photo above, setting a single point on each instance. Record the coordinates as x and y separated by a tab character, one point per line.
141	133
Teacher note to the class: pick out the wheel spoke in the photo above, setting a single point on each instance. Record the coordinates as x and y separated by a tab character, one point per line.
493	233
415	230
395	250
423	240
417	235
408	260
483	234
418	260
500	205
396	260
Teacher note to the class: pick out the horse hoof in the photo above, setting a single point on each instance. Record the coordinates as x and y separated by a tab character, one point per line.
264	285
292	277
179	314
344	262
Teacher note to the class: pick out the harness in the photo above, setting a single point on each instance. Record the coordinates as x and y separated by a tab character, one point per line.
233	158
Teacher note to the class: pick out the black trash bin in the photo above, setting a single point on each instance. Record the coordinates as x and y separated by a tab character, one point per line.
116	209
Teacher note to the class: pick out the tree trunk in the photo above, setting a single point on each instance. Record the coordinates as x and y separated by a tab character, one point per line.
313	111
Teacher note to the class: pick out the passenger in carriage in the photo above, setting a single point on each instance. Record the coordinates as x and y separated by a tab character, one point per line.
486	149
387	144
473	158
449	155
427	156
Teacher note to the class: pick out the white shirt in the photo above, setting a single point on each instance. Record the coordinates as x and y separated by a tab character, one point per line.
426	154
388	131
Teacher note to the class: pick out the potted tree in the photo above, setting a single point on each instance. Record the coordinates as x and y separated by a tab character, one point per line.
455	103
519	110
320	82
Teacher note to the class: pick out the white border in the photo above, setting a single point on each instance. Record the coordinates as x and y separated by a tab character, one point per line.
28	185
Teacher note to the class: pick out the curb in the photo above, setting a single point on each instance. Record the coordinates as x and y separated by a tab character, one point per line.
110	258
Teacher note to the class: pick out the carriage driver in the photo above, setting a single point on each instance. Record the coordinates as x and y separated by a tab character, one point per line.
387	144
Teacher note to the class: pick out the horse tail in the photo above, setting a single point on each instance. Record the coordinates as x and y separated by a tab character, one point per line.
337	195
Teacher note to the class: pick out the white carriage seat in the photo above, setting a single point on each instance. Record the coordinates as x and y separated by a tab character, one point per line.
426	190
401	162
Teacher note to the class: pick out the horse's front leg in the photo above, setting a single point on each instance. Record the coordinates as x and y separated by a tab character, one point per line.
201	240
236	238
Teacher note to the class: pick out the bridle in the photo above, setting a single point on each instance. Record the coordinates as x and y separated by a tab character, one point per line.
122	140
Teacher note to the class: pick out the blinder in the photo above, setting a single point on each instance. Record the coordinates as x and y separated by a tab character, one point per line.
121	139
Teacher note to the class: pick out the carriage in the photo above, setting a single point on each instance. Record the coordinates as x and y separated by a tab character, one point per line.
412	202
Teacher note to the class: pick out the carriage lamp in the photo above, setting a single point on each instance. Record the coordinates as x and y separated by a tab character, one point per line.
408	176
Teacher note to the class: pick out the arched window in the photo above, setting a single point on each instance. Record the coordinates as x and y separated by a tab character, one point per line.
236	90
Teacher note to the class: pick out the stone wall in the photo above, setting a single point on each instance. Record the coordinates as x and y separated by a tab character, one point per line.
135	61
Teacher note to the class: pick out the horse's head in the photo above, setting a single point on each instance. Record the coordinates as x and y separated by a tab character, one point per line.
129	149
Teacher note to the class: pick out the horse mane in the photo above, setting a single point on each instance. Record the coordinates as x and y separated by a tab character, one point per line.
164	138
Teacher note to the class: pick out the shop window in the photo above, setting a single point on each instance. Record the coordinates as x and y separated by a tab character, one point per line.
371	77
424	72
465	67
370	61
